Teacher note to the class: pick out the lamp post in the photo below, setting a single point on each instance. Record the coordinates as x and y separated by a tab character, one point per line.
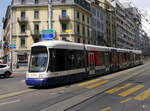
10	38
50	14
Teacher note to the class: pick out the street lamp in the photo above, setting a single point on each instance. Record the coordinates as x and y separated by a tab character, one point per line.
50	14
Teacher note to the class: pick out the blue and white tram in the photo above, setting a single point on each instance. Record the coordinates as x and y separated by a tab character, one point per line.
53	62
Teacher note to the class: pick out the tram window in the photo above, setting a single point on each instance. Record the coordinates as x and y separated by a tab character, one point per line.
75	59
38	60
106	58
102	58
63	59
80	59
97	58
58	57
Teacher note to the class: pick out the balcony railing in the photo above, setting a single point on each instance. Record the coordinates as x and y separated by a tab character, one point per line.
64	18
22	19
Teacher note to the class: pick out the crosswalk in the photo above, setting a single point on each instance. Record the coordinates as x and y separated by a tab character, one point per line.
93	83
122	90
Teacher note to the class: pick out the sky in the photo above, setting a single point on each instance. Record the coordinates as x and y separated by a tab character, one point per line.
3	7
142	5
144	8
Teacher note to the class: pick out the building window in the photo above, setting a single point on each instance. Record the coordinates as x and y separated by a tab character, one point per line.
88	32
83	31
64	38
22	42
36	28
78	40
78	28
64	27
88	20
22	58
63	12
23	28
78	15
36	14
36	1
23	1
23	14
83	18
63	1
36	39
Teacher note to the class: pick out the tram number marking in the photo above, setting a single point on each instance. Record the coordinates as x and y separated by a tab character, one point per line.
33	75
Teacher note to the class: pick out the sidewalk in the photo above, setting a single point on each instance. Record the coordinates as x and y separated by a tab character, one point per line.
21	70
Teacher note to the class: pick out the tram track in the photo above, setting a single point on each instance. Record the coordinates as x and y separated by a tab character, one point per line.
73	95
132	70
75	100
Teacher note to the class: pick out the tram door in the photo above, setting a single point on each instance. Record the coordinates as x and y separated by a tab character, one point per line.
91	61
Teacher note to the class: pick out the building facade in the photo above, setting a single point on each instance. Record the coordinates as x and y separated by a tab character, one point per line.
125	27
98	23
145	44
27	18
6	36
71	19
137	26
110	39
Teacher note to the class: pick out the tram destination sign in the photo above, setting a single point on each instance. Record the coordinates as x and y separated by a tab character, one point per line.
48	34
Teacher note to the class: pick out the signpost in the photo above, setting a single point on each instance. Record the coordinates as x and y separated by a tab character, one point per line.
12	46
68	30
48	34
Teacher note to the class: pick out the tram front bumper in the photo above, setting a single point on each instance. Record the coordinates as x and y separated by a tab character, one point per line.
36	82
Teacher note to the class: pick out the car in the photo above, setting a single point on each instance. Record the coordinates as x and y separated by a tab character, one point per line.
5	70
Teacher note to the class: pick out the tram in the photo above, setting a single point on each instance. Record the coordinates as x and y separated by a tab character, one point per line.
56	62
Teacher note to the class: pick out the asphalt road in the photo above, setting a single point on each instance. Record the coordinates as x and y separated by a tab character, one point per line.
127	90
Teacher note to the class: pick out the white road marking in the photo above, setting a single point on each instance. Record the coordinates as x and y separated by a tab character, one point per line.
53	93
61	91
144	106
5	103
23	81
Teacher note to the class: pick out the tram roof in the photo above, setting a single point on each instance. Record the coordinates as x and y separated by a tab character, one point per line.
137	51
123	50
96	48
80	46
70	45
60	45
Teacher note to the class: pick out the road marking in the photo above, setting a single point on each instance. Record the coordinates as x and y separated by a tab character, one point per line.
144	95
5	103
16	93
23	81
89	82
97	84
106	109
131	90
126	100
144	106
111	91
53	93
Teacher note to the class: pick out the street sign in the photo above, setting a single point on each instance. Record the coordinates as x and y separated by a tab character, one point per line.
48	34
48	31
68	30
12	46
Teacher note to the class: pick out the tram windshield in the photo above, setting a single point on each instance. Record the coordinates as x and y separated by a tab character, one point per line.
38	59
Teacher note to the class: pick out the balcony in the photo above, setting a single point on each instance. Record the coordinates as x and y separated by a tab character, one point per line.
35	34
22	19
64	18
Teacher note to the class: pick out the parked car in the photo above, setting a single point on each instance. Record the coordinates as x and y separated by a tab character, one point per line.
5	70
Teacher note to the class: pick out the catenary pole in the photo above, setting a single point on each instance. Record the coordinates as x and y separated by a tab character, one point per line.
50	14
